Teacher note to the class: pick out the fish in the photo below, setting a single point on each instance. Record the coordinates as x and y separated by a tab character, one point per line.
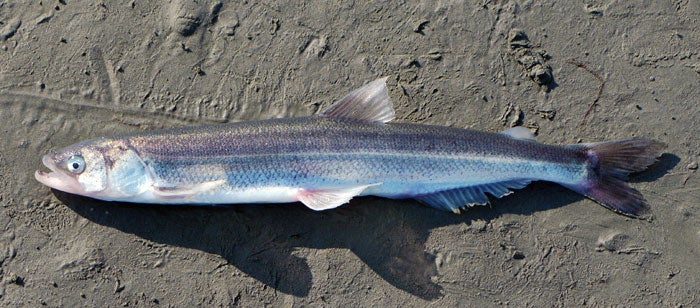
350	149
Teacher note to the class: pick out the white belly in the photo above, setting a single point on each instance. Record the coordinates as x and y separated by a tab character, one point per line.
219	196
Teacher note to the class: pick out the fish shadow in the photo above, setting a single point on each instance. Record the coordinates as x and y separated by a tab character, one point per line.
663	165
389	236
264	241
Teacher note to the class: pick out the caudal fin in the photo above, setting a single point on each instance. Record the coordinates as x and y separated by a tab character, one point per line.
610	164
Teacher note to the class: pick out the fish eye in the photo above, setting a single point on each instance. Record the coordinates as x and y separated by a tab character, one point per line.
75	164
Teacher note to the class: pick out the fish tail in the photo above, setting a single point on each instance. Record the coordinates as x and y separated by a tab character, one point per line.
609	165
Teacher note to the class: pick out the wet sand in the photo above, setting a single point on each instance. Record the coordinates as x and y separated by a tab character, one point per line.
73	70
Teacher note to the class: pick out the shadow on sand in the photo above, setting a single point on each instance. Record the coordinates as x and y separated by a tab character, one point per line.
387	235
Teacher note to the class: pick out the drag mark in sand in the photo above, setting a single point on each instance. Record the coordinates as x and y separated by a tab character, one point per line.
44	101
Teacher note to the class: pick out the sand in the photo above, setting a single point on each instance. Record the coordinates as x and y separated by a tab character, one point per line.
572	71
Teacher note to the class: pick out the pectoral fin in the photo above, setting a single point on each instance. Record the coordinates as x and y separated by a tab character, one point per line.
328	198
185	191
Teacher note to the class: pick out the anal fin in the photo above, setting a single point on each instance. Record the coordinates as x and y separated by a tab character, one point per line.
455	199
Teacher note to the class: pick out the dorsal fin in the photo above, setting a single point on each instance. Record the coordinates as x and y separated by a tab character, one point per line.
370	103
520	132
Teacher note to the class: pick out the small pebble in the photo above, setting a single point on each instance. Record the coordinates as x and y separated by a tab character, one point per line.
420	26
693	166
518	255
612	241
12	278
517	35
10	29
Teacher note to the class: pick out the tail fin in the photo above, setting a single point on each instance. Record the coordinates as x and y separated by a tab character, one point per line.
611	163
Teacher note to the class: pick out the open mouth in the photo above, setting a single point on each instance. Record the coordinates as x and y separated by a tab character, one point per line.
55	178
50	178
48	163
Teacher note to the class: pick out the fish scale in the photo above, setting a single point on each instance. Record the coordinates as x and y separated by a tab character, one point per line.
401	156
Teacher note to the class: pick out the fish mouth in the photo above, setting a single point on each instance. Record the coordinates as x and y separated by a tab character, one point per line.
56	178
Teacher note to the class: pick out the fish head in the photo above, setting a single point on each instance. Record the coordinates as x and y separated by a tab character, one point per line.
102	168
78	169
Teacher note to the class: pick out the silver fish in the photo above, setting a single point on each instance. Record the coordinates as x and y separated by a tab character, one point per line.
348	150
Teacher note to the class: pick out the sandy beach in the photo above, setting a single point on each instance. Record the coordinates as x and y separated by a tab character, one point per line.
571	71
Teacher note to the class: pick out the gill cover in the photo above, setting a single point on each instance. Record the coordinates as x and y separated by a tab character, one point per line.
94	176
127	175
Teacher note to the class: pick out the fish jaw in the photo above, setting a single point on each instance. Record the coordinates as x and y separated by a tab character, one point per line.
57	179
